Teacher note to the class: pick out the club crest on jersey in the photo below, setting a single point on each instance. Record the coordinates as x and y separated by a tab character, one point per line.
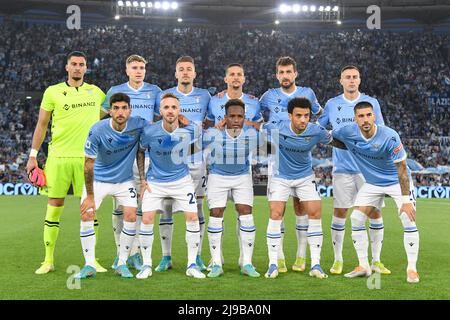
376	146
89	91
110	140
279	101
308	139
339	108
148	95
64	93
159	140
197	99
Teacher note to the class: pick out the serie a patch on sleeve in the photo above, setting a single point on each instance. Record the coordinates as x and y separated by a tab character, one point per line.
399	148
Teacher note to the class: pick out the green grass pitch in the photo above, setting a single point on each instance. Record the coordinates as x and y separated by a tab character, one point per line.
22	251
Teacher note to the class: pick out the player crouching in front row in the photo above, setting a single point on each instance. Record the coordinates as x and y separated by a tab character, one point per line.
380	155
229	171
110	151
168	177
293	172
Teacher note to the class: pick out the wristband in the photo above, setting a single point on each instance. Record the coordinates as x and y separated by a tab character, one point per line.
33	153
406	199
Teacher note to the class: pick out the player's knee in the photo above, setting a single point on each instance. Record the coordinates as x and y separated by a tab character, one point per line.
375	213
340	213
147	219
315	214
56	202
191	216
358	218
129	214
216	212
243	209
276	214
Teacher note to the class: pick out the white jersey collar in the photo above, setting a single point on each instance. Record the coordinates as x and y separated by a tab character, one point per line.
351	101
374	134
135	90
124	129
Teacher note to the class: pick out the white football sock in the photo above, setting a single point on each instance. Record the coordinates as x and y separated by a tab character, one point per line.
315	240
192	240
247	231
273	240
376	233
301	227
146	240
117	224
126	240
135	247
166	229
87	236
337	237
201	221
280	254
359	237
410	241
215	230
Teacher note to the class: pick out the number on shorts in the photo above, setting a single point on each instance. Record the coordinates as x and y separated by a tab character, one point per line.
133	192
192	195
204	182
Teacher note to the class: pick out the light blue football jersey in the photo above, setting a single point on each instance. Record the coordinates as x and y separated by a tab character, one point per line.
293	159
216	108
142	101
376	156
231	156
193	106
114	151
338	112
169	152
275	102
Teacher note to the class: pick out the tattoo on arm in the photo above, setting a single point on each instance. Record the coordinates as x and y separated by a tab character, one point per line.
403	178
338	144
89	175
140	160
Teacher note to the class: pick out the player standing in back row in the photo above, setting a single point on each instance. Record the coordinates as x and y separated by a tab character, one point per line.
73	106
143	96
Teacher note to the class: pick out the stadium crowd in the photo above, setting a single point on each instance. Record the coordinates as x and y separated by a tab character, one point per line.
402	70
